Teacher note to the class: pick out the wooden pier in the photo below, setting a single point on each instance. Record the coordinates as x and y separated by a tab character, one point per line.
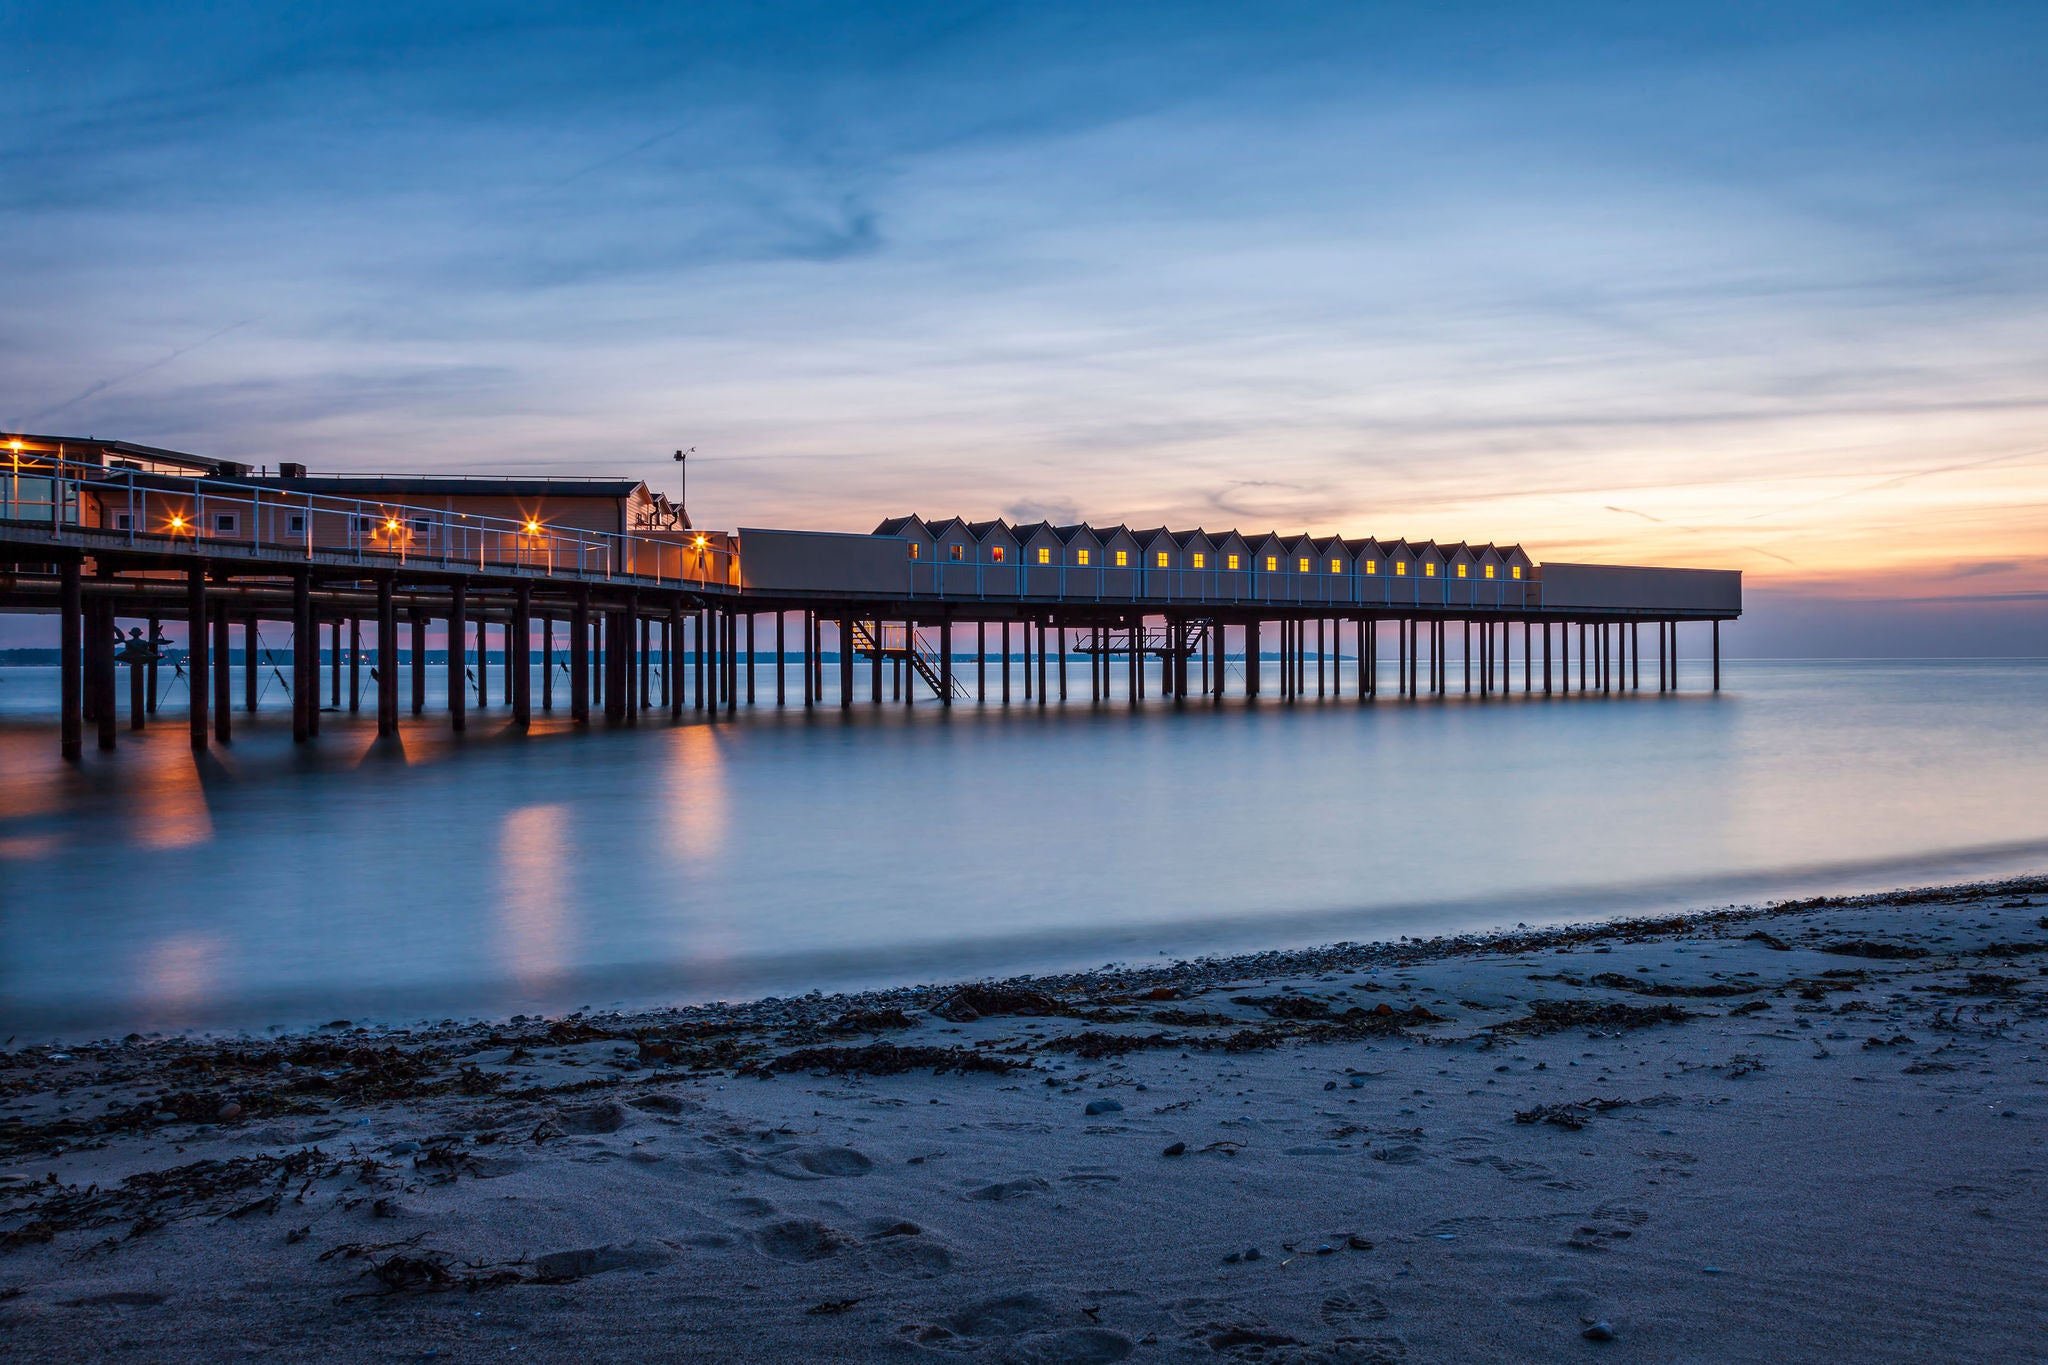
654	618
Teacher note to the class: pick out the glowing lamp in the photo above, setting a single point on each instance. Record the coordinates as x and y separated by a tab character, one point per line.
391	525
702	541
177	522
532	527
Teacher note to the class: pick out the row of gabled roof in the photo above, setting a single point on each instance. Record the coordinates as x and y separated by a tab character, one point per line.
940	531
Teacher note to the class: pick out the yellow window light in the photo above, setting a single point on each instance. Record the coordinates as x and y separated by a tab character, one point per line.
1429	569
1044	555
1461	570
1516	571
1162	559
1489	571
1233	561
1081	558
1272	563
1336	566
1372	566
1123	559
1400	568
1200	561
1304	564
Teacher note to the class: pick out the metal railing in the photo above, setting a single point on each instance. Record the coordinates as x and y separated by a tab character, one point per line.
1150	587
146	509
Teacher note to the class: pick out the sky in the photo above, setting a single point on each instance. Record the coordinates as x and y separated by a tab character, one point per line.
1757	286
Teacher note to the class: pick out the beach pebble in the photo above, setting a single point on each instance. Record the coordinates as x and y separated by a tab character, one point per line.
1599	1331
1358	1082
1175	1149
1251	1253
404	1148
1104	1107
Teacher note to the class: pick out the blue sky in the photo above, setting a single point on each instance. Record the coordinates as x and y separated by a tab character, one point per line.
1751	285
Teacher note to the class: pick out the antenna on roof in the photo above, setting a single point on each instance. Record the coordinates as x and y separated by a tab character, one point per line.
682	457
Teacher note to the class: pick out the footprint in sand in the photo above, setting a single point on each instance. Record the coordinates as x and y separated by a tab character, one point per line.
1003	1190
1360	1306
557	1267
800	1239
819	1163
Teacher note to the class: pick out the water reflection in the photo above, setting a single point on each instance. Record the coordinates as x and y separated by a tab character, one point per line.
533	891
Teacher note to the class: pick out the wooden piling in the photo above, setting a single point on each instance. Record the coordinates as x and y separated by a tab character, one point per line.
70	660
419	659
518	654
579	659
223	678
251	683
305	673
387	656
1006	663
458	654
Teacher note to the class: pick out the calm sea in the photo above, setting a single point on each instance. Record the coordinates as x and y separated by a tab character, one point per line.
787	851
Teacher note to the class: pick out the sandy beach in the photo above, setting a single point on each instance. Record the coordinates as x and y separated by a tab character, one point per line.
1811	1131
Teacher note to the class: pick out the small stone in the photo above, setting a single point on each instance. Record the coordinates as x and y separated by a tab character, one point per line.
1599	1331
1358	1082
1711	1270
1104	1107
1329	1085
1233	1258
1326	1250
404	1148
1175	1149
1251	1254
229	1112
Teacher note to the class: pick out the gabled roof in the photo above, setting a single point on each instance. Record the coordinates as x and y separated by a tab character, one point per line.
1186	538
1145	538
1031	529
938	529
1323	544
1106	534
1451	551
1069	534
982	530
896	526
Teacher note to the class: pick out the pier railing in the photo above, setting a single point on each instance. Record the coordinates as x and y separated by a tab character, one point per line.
143	509
1174	586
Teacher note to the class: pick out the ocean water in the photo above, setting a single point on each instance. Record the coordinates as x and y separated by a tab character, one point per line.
786	851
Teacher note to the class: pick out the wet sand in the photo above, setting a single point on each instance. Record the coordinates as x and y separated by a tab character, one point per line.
1805	1132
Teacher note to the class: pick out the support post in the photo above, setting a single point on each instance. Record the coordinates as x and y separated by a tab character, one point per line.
1717	654
1041	661
223	678
419	660
387	656
251	683
71	660
547	662
518	654
1006	663
579	658
846	661
981	661
355	663
155	625
334	663
304	674
458	654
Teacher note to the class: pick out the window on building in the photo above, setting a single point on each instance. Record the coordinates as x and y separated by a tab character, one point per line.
1336	566
1162	559
1372	566
1429	569
1044	555
226	523
1489	571
910	548
1123	559
421	526
1200	561
296	523
1400	568
956	553
995	554
1081	558
368	526
1233	561
1272	563
1515	572
1461	570
123	522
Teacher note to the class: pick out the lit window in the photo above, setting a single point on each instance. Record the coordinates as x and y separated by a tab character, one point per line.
1489	571
1515	572
956	553
1461	570
1429	569
1162	559
1200	561
1336	566
1400	568
913	549
995	554
1233	561
1272	563
1081	557
1044	555
1372	566
1123	559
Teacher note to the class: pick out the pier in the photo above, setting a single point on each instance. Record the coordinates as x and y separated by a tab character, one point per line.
608	584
